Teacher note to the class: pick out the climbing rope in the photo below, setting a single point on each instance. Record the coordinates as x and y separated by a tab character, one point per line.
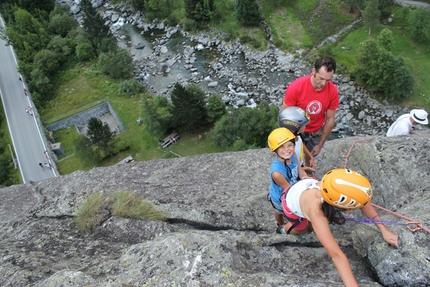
419	224
411	225
410	222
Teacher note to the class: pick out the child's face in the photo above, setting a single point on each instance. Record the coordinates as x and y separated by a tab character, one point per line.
286	150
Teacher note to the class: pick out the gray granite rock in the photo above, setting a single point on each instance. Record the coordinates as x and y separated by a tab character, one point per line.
220	229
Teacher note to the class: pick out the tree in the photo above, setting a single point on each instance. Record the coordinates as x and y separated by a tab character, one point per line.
117	64
84	150
46	61
93	23
157	8
401	81
100	135
215	108
353	4
84	52
385	39
247	12
61	22
189	107
371	13
383	6
131	87
156	116
62	48
245	128
419	24
381	72
199	10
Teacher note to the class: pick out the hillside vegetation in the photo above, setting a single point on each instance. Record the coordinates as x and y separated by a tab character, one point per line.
295	26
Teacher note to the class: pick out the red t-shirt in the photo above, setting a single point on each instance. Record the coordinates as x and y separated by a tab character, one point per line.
301	93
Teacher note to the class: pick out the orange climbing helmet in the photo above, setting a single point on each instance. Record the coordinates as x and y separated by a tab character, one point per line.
278	137
346	189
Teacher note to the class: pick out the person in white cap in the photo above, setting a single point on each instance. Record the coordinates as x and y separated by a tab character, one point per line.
403	125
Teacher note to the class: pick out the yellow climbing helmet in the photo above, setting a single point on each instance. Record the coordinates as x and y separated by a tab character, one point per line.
278	137
345	188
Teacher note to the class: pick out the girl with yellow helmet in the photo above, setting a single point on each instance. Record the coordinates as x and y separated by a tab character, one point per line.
311	205
285	170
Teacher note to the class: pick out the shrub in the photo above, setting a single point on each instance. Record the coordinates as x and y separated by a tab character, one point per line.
131	87
129	205
86	216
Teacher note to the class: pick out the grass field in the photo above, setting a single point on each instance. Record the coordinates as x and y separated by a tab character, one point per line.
83	88
294	25
416	56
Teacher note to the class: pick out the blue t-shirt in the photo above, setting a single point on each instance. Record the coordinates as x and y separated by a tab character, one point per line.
276	190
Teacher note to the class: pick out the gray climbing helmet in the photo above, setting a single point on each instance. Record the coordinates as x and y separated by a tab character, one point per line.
293	118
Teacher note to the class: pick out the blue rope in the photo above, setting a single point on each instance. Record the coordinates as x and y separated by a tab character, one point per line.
372	221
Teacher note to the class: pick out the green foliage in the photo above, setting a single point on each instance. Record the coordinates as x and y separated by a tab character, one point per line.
131	87
371	13
383	7
385	39
245	127
419	25
159	9
41	84
156	116
61	22
6	161
84	150
189	107
62	47
93	23
87	215
36	6
401	82
46	61
84	52
199	10
117	64
247	12
100	135
382	72
353	4
215	108
129	205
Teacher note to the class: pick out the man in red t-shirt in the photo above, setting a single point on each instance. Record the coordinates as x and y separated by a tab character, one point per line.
318	96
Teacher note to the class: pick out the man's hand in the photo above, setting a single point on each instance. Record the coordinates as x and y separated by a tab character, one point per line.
316	150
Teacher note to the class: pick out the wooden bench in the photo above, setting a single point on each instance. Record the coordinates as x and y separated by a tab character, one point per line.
170	139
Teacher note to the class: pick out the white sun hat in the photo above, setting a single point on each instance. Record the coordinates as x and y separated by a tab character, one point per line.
420	116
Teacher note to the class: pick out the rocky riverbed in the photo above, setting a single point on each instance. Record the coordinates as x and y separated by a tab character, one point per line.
241	76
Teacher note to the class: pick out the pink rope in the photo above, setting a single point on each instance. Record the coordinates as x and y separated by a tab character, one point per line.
401	216
352	146
380	207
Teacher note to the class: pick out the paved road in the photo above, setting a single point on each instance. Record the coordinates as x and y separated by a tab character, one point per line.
26	138
413	3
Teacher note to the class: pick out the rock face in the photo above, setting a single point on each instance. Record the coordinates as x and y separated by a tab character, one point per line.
220	229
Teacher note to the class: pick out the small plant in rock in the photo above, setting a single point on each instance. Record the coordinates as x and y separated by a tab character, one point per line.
129	205
86	216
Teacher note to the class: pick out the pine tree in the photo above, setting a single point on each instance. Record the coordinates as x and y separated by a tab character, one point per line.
189	107
94	24
100	135
247	12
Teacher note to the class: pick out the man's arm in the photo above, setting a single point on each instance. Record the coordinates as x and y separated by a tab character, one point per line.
328	126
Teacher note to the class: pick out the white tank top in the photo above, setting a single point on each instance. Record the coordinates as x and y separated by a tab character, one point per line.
299	150
294	193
